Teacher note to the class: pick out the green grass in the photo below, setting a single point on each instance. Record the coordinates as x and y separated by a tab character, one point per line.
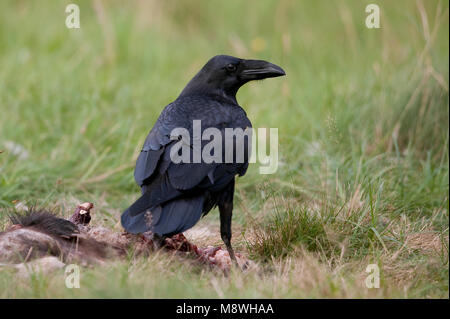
363	138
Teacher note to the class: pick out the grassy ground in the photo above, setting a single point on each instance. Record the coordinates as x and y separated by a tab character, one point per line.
363	132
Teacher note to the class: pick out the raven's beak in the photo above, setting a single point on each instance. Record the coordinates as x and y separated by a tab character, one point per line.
258	69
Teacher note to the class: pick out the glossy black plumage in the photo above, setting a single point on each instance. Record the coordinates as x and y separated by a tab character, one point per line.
174	196
162	180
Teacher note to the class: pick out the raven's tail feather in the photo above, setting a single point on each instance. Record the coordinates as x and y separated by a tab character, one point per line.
160	191
170	218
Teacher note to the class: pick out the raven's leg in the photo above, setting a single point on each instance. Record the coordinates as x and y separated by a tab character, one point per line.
156	240
225	228
226	212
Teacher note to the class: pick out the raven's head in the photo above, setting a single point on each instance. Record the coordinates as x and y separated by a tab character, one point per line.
224	75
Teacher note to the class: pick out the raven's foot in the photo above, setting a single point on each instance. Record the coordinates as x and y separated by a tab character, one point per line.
215	257
219	257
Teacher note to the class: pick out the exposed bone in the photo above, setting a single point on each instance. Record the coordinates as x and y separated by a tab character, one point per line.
82	214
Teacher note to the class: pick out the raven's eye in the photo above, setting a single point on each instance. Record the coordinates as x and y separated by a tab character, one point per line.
231	67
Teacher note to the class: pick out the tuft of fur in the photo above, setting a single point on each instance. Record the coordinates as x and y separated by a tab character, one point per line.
44	221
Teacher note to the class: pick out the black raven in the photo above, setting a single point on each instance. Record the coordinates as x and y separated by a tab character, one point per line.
176	194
